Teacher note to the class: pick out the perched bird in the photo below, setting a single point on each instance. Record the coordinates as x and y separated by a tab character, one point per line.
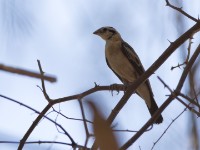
124	62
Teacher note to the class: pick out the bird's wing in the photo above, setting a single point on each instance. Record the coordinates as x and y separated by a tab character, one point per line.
113	70
133	58
130	54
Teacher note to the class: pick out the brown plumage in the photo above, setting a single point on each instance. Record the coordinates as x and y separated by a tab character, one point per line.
124	62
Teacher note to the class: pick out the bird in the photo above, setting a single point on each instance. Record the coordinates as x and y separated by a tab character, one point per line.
126	65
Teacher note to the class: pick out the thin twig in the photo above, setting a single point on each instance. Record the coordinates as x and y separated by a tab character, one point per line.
88	92
178	66
43	84
70	118
115	130
154	144
191	100
180	100
188	55
181	11
84	122
46	142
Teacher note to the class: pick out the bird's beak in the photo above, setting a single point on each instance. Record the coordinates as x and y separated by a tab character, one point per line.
96	32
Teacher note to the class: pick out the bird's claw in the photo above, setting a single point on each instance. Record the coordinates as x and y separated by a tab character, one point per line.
115	87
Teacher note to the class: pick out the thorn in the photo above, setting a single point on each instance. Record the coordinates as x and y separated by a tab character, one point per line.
179	66
169	41
167	2
95	84
117	92
39	88
111	92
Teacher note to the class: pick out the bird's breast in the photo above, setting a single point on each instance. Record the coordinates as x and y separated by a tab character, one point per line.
119	62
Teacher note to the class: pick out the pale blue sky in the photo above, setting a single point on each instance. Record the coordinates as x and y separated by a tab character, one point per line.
59	34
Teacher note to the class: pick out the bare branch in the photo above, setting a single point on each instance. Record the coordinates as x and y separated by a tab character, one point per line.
181	11
88	92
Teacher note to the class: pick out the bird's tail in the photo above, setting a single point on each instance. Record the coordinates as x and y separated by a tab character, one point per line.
153	109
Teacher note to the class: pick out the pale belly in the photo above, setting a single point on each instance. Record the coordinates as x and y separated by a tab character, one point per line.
120	64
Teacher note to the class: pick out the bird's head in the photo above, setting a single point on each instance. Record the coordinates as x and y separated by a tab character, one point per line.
108	34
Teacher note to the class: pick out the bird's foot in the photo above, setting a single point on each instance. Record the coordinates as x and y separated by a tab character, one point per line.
117	87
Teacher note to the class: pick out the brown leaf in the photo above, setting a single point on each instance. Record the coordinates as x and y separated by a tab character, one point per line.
103	132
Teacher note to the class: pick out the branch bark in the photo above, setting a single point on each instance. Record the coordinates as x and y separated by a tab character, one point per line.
166	103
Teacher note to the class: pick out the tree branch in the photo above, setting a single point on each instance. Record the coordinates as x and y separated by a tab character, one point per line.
26	106
166	103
